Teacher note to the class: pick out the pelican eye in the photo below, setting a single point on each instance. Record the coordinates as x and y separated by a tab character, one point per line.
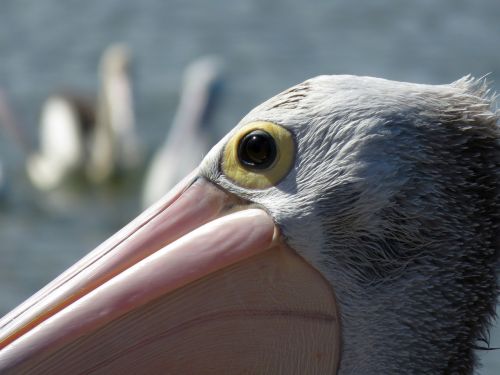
259	155
257	150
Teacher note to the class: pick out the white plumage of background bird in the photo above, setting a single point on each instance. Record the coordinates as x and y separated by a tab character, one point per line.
191	133
83	142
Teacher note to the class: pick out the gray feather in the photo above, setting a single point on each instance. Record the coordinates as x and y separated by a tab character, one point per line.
394	197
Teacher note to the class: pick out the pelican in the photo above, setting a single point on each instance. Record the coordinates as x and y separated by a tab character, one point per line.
348	225
9	123
115	144
3	183
66	122
80	141
189	138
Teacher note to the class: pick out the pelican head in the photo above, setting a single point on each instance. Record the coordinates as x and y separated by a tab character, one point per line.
115	60
348	225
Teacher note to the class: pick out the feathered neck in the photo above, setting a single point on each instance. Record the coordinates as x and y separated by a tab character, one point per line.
416	277
394	197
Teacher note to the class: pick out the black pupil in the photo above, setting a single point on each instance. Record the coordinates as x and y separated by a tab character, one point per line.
257	150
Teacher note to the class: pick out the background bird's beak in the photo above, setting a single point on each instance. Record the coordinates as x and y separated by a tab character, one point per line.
199	283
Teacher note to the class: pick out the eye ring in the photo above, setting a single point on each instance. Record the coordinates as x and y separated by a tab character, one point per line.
257	150
272	162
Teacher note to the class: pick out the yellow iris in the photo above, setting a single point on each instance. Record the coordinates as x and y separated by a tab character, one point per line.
254	178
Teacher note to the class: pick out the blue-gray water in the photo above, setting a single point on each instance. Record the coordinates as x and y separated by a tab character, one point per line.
267	46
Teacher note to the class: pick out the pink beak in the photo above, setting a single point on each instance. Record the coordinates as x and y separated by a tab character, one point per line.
197	284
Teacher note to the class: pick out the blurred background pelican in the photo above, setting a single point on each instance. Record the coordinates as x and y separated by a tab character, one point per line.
267	46
3	183
191	134
81	141
11	131
66	123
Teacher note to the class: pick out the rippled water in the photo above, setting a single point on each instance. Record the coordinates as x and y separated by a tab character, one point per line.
267	46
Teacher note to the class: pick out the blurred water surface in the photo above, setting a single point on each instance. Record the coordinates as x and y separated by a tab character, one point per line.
267	45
